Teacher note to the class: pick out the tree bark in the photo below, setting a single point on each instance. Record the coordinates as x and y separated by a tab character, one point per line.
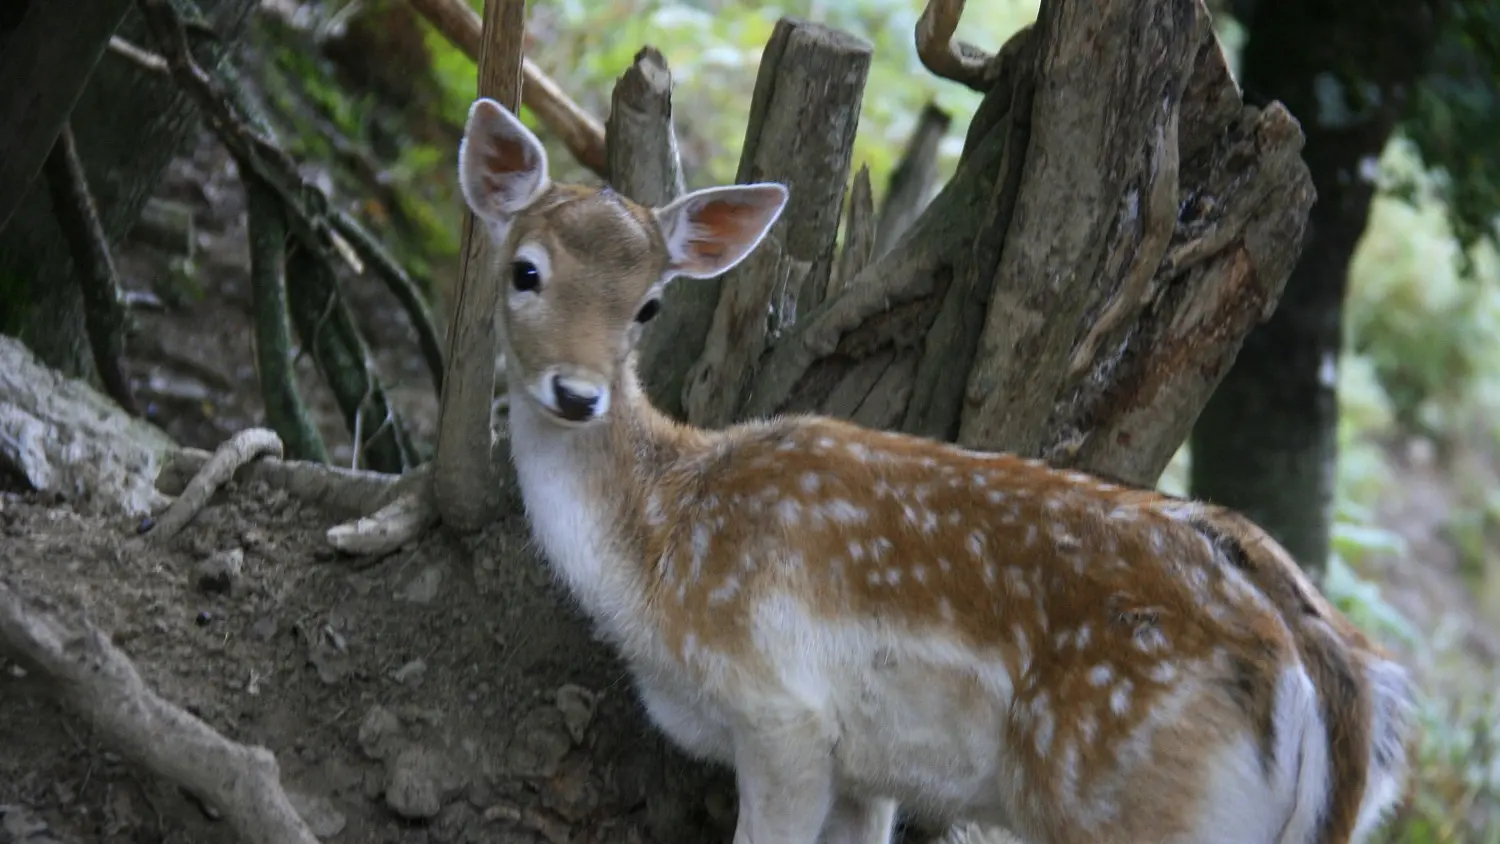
128	124
1266	442
466	482
643	156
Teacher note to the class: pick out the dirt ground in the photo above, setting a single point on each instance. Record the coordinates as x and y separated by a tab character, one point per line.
396	697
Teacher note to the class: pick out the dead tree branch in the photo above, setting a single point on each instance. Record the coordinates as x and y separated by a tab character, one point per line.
914	179
578	130
806	69
958	61
643	153
465	484
859	233
285	411
390	527
406	291
97	681
93	267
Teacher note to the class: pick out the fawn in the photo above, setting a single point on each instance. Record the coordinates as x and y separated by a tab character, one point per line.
858	620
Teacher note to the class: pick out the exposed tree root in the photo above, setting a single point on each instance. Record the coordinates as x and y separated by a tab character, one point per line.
390	509
352	492
391	526
99	682
234	453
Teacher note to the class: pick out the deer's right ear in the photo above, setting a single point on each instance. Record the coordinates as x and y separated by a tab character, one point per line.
709	231
501	164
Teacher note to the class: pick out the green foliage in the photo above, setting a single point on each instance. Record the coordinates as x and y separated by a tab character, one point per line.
1454	119
1432	334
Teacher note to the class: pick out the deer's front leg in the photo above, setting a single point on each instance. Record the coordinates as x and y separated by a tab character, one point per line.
784	771
860	820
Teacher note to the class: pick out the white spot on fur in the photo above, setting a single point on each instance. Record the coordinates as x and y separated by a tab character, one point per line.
1119	699
1150	639
789	512
1015	581
725	591
1163	672
845	512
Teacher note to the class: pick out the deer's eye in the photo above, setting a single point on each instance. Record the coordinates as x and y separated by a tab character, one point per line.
524	277
648	310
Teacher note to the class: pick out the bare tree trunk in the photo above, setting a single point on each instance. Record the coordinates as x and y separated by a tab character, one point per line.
128	124
1280	471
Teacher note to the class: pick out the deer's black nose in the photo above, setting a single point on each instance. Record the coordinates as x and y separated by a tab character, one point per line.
573	405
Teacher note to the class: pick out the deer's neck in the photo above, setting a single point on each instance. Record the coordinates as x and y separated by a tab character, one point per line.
586	492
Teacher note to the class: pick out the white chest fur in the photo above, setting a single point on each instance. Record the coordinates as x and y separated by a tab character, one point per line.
571	525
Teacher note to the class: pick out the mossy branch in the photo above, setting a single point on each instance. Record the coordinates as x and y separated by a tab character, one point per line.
285	411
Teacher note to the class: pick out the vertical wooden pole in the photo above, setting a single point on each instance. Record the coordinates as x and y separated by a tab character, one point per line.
465	483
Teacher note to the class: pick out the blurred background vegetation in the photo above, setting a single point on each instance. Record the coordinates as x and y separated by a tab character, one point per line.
1417	499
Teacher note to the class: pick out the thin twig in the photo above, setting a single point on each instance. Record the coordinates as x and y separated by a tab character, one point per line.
580	131
144	59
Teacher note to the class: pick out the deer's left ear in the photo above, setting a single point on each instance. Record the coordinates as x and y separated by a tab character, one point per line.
501	164
709	231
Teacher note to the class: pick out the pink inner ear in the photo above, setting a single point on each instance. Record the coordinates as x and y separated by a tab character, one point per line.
503	157
720	223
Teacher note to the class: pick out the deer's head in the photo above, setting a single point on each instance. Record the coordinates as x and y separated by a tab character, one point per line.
582	269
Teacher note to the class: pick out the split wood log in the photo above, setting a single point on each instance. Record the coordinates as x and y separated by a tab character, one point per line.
579	131
466	480
803	117
643	154
1070	275
642	141
92	677
859	233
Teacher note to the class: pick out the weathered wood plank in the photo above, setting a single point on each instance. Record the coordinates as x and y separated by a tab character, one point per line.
803	118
